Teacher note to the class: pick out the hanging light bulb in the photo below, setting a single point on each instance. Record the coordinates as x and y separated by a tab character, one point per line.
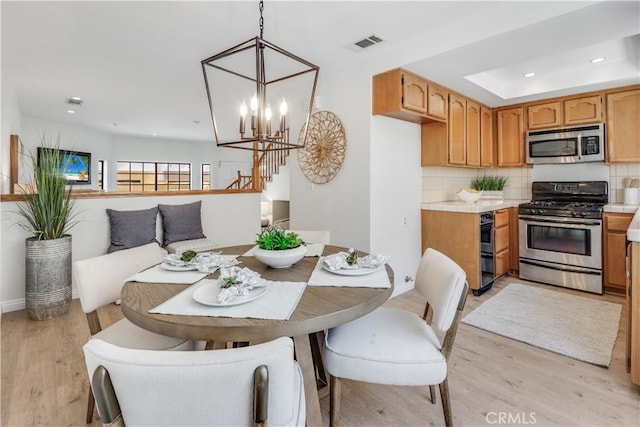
243	114
283	116
267	118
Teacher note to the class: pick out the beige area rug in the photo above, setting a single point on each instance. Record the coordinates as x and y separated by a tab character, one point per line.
578	327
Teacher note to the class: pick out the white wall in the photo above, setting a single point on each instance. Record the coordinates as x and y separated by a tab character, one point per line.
395	203
226	219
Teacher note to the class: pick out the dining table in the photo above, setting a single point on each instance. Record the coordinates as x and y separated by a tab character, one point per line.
319	308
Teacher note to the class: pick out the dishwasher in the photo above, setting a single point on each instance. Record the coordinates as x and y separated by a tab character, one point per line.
487	271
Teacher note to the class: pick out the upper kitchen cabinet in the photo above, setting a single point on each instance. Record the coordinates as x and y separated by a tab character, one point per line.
587	109
406	96
459	142
510	137
486	137
565	112
545	115
623	127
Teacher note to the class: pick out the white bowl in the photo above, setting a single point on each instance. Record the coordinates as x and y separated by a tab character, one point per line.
468	197
282	258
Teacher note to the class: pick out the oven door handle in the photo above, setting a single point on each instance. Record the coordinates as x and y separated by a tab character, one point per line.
558	221
560	268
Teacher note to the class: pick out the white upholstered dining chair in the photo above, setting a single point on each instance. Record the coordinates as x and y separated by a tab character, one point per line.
99	281
396	347
243	386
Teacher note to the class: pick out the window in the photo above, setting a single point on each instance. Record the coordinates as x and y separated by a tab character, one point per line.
153	176
205	174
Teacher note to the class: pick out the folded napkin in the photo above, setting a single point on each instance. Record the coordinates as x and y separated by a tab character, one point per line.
277	303
378	278
339	261
158	274
313	249
236	282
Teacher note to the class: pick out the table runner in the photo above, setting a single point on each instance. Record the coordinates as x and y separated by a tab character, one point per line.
158	274
278	303
321	277
313	249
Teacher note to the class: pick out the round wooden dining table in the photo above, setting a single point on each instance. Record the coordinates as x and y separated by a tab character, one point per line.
319	308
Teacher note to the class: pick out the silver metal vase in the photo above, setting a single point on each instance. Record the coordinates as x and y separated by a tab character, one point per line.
48	277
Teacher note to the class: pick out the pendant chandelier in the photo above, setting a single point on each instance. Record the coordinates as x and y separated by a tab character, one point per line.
241	91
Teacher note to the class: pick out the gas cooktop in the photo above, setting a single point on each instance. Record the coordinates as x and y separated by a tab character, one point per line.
575	199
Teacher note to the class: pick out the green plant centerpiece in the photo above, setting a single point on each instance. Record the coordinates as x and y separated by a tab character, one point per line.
278	248
47	212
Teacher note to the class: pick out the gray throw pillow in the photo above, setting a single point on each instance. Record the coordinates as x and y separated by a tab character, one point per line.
181	222
132	228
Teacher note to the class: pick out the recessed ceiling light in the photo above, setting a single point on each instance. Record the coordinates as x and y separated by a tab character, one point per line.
196	122
71	112
596	60
154	134
529	75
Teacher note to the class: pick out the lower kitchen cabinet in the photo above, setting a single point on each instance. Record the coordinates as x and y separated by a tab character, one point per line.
633	313
614	241
457	235
501	242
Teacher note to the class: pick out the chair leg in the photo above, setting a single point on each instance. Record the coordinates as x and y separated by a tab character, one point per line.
432	391
91	404
446	404
335	386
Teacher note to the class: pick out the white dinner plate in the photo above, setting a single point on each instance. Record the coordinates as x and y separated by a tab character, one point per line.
208	295
171	267
360	271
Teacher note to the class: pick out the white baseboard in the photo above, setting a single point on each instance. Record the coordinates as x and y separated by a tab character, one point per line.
20	304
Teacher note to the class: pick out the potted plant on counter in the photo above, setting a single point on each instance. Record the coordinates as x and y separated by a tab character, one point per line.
279	249
492	187
47	212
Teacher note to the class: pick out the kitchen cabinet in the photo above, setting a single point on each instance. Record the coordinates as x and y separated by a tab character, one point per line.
457	130
501	242
614	241
459	141
406	96
486	137
457	235
545	115
473	134
586	109
623	127
633	313
565	112
510	137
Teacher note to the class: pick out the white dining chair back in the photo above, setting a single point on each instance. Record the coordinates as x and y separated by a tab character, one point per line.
99	281
397	347
313	236
200	388
439	281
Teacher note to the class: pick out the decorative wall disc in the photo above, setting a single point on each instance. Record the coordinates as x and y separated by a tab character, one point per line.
324	153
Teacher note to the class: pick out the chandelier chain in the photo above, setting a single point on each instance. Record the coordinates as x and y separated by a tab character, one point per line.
261	22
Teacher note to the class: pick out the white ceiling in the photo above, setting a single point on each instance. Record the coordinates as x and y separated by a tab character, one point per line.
137	64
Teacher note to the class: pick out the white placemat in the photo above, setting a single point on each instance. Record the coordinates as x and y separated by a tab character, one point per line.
313	249
321	277
158	274
278	303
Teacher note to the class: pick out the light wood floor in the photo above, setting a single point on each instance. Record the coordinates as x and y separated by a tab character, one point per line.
44	381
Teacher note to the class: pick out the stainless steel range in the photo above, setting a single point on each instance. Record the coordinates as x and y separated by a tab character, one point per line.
561	234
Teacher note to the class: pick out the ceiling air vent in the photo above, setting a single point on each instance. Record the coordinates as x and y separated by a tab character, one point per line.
368	41
74	100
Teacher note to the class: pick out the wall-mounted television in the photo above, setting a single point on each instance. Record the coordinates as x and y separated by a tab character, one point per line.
75	165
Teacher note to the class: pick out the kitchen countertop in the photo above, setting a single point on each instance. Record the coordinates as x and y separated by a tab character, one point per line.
633	232
482	205
620	208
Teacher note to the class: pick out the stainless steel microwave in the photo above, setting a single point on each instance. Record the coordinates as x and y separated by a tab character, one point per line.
566	145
